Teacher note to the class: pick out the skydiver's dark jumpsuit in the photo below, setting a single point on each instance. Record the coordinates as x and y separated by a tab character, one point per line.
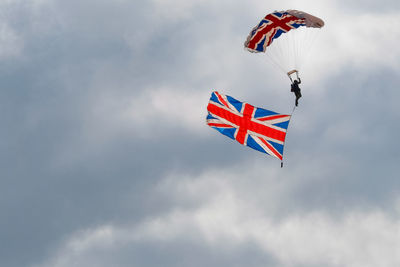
296	90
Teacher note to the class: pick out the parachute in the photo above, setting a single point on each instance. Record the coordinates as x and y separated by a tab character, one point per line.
286	37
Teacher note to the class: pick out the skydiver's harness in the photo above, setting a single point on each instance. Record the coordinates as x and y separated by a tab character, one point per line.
290	73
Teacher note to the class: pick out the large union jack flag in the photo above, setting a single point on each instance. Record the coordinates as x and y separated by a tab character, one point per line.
270	28
258	128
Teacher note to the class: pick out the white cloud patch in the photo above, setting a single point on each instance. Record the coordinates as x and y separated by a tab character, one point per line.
169	107
11	43
365	41
38	17
226	218
154	113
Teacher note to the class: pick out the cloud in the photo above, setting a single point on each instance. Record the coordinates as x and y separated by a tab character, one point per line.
365	40
11	43
226	219
168	108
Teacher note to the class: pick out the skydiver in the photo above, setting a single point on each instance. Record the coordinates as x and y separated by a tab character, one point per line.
296	89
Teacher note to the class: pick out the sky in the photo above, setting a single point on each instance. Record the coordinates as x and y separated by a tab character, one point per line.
106	159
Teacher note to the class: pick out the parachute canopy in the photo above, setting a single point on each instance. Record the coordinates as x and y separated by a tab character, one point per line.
277	23
286	38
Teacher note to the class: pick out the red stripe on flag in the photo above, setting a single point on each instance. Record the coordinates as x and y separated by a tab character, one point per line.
273	150
219	125
276	22
220	98
245	123
270	118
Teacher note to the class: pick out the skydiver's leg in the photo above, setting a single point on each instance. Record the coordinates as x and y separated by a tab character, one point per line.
298	95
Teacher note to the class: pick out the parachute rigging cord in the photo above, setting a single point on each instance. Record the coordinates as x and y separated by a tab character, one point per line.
291	114
292	50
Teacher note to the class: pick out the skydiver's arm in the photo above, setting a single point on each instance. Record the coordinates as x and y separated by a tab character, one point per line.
299	80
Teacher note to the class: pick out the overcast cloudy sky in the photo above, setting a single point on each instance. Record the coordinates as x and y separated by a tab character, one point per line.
106	159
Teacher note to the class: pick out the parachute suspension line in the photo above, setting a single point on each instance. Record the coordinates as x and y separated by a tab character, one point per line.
299	49
282	51
310	38
275	62
275	53
301	40
289	52
291	49
279	50
294	108
295	45
287	129
297	42
292	57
